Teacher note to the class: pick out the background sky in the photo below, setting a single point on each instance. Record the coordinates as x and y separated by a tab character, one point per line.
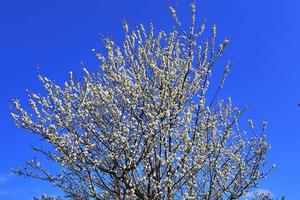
58	35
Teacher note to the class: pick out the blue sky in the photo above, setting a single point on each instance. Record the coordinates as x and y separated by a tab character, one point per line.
58	35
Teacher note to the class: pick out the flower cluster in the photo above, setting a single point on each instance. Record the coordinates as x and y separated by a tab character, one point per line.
144	125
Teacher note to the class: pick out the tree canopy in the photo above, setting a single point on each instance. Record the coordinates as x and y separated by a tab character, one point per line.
143	126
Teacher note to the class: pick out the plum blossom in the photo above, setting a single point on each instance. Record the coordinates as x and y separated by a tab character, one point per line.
144	126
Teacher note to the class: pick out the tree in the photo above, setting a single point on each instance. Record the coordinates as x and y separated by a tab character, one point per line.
144	126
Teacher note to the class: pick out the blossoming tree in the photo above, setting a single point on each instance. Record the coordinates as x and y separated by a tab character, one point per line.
144	126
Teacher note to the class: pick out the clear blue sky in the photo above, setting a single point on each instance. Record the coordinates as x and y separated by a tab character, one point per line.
58	35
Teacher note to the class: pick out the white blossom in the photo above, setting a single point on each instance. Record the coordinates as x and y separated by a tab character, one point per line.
145	126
